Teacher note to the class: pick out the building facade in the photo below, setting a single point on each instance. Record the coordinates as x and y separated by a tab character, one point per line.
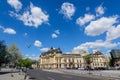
115	55
99	60
54	59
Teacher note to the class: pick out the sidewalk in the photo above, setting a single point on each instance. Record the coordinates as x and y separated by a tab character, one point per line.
6	74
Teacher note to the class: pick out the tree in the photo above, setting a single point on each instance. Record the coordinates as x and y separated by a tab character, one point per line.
111	62
15	54
88	60
3	53
26	62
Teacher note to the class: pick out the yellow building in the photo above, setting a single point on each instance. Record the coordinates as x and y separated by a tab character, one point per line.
99	59
54	59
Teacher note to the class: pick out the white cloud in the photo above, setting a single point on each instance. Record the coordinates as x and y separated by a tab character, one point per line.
87	8
83	20
33	17
26	55
8	30
113	33
100	26
100	10
15	4
37	43
2	27
25	34
54	35
68	9
99	44
57	31
33	56
44	49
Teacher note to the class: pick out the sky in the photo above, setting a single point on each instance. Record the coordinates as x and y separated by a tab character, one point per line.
72	25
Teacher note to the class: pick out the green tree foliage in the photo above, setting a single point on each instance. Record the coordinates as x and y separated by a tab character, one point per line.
88	59
26	62
15	54
3	53
111	62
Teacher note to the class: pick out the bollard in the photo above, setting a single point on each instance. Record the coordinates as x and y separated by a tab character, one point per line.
12	73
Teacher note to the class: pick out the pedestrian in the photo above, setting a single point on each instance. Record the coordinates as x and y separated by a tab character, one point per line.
12	73
25	71
25	76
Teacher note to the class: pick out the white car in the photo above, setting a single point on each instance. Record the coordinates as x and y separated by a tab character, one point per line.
81	68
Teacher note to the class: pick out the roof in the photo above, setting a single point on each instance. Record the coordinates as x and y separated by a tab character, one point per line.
71	55
97	53
52	51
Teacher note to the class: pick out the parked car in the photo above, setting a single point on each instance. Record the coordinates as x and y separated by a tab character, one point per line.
30	67
117	67
81	68
100	68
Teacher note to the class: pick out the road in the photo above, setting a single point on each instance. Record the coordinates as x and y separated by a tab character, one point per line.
44	75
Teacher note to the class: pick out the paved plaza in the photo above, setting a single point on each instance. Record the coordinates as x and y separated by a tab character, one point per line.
38	74
100	73
6	74
106	73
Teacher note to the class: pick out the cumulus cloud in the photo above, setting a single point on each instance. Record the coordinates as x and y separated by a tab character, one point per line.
96	45
25	34
33	17
83	20
44	49
8	30
54	35
87	8
100	10
37	43
68	9
57	31
100	26
113	33
33	56
16	4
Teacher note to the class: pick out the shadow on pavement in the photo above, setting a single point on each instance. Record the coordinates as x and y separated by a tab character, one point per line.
6	72
32	78
1	73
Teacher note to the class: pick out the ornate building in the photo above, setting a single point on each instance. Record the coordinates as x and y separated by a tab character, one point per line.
99	59
54	59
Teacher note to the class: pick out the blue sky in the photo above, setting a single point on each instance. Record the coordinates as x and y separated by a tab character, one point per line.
72	25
